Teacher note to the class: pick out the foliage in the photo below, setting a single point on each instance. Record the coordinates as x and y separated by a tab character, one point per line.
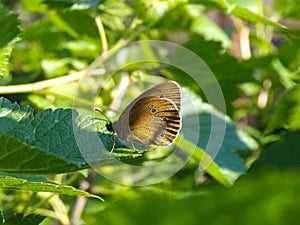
247	198
46	47
21	219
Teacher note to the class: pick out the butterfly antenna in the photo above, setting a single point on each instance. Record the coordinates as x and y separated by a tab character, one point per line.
99	111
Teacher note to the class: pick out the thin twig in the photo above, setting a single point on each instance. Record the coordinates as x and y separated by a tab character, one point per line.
80	203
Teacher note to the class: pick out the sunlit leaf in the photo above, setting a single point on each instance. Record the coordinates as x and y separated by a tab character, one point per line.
41	144
13	183
224	164
112	16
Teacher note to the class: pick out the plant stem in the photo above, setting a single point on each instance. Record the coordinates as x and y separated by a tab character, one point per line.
102	34
41	85
80	203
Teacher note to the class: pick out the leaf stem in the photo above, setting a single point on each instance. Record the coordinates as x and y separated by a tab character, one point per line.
102	34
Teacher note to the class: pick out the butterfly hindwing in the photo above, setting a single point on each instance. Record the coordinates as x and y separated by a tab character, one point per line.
154	121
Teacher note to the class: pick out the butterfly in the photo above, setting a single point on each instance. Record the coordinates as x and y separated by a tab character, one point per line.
153	118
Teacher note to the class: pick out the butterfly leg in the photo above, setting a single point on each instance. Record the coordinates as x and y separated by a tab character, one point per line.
113	146
132	145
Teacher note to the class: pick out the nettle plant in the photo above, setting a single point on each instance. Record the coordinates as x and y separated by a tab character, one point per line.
46	50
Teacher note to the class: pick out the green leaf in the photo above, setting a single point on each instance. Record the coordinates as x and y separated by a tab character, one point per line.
9	23
4	65
44	102
234	7
58	67
59	4
28	177
287	112
112	16
9	33
206	162
285	76
20	219
34	6
229	77
287	8
51	100
13	183
289	54
18	157
38	40
71	4
274	195
46	34
41	144
282	155
1	217
46	142
76	23
108	141
227	165
83	48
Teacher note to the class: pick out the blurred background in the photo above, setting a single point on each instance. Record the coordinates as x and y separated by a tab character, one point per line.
252	48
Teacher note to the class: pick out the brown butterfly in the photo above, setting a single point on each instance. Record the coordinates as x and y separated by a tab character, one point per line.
153	118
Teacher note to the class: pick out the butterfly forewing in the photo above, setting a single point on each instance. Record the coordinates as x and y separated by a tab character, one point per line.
169	90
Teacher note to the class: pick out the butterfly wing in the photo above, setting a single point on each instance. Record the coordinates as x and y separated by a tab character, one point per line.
169	90
154	121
